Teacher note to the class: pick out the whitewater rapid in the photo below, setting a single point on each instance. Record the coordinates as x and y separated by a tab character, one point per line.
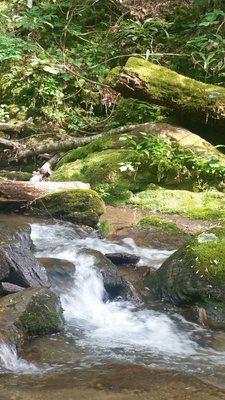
115	330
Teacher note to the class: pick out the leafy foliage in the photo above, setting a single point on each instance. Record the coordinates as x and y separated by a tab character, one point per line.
172	163
54	56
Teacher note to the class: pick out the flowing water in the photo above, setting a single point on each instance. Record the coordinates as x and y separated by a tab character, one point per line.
99	332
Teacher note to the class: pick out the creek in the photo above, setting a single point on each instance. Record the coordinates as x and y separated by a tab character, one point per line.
99	333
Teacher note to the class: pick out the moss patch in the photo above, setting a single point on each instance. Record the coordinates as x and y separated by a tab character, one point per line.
42	316
161	223
103	171
76	205
202	205
105	143
69	172
209	255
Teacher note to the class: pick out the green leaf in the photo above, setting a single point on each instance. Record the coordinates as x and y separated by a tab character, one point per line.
51	70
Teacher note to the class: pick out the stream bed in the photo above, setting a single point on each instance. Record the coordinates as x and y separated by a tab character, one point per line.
107	344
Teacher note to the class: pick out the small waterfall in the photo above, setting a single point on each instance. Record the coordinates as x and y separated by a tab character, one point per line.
116	324
10	361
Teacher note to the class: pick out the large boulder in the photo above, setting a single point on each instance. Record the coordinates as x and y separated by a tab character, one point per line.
151	153
17	262
76	205
31	312
194	276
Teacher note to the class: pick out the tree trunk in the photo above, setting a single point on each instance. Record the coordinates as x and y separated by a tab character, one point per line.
202	103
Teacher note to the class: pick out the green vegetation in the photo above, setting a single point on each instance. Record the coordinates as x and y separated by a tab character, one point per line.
56	55
16	175
55	58
196	205
104	227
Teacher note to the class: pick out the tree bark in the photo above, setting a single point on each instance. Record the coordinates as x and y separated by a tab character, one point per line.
191	99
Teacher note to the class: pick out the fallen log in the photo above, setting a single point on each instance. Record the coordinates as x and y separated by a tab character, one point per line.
15	195
8	144
55	147
61	146
204	104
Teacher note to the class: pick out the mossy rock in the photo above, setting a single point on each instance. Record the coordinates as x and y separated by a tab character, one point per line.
69	172
173	135
179	159
104	143
196	205
160	223
76	205
195	276
28	313
103	171
42	316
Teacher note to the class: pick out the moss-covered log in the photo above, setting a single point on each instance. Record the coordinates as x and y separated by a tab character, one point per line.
195	101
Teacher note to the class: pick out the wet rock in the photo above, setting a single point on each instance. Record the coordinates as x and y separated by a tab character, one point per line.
59	271
121	259
194	277
31	312
17	262
135	277
115	285
9	288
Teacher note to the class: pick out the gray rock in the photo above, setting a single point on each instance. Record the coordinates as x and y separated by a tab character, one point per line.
9	288
17	262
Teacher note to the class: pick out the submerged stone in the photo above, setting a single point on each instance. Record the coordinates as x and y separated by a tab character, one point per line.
60	272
